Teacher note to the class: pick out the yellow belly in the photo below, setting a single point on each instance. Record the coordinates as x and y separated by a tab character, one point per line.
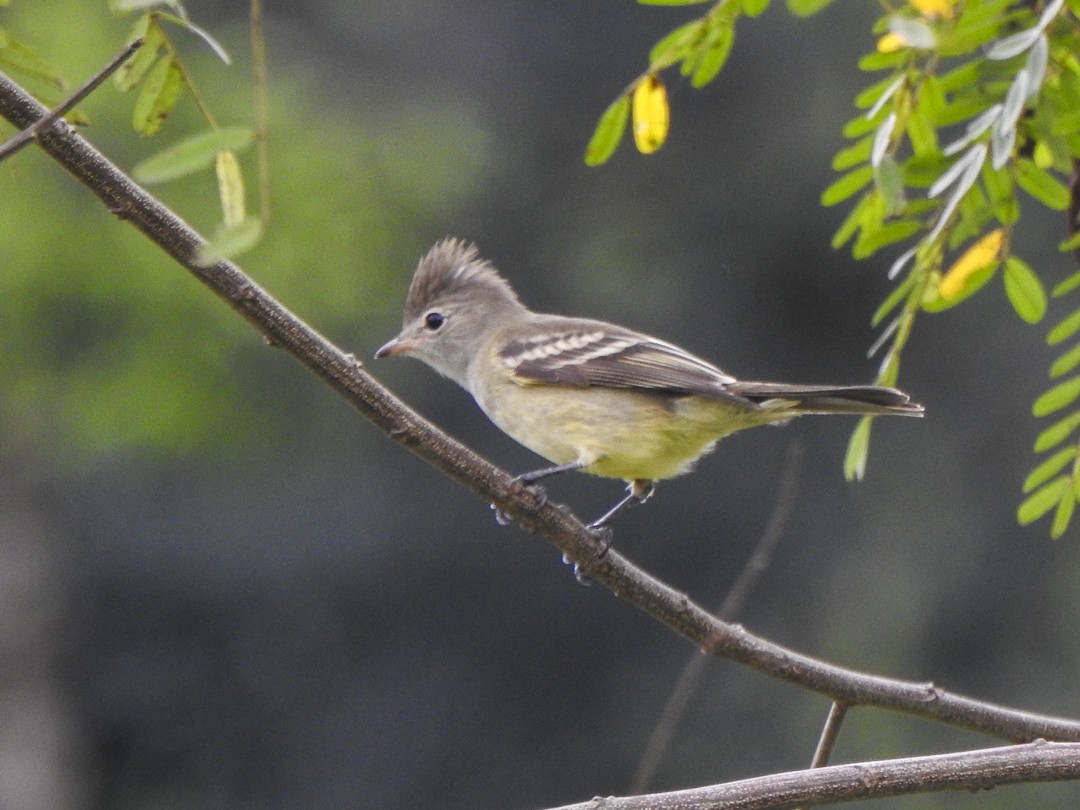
617	433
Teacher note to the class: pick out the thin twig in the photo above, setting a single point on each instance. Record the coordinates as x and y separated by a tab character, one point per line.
26	135
262	108
967	770
346	375
829	734
755	566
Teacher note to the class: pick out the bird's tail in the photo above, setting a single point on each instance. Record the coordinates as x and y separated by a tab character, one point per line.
866	400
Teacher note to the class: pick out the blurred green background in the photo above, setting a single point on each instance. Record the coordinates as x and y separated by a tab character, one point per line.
219	587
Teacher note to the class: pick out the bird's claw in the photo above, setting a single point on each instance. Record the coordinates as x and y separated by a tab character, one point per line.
528	482
537	491
579	575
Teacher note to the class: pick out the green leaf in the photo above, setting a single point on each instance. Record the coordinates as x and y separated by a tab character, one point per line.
998	182
1007	211
609	132
894	298
192	154
974	14
1041	185
1066	362
806	8
871	215
999	188
859	126
122	6
869	243
858	152
922	171
969	74
1024	290
872	94
1058	397
158	96
1062	515
974	215
20	59
1064	330
961	111
931	99
889	181
134	69
883	61
921	132
857	451
917	208
676	45
851	223
713	57
965	38
1057	432
1072	243
229	241
1043	500
753	8
847	185
231	189
1051	152
1066	286
1049	468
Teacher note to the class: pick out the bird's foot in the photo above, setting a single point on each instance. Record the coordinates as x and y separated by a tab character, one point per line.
579	575
537	491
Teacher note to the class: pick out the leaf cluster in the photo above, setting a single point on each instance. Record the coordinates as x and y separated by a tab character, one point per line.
159	76
24	63
979	101
977	105
699	48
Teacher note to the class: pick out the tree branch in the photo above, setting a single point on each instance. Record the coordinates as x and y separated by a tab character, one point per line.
346	375
968	770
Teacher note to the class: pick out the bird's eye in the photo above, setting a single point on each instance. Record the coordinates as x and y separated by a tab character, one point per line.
434	321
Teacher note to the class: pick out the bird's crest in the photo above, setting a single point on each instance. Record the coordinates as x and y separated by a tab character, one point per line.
451	267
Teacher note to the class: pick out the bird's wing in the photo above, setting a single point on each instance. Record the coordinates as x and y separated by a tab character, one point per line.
597	355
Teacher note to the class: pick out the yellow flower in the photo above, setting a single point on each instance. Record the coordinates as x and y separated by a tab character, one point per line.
977	257
890	43
651	114
934	8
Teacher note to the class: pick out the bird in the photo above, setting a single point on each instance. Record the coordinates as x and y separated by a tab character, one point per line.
589	395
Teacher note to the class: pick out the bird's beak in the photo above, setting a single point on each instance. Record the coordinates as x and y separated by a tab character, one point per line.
399	345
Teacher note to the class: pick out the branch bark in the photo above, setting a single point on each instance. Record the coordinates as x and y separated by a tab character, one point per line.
346	375
968	770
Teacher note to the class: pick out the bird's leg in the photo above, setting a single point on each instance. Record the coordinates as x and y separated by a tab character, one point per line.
639	491
530	479
547	472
